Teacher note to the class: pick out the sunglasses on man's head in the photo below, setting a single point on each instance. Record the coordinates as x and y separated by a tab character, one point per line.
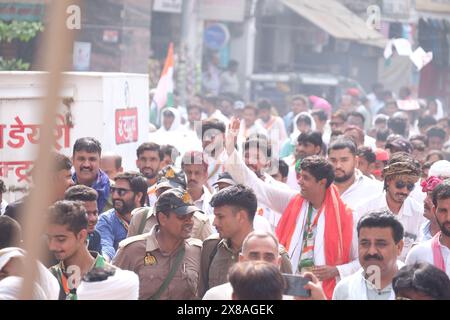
401	184
120	191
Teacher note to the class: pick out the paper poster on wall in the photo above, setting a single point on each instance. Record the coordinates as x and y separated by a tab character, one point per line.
81	56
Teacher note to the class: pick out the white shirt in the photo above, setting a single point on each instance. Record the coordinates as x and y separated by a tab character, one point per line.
3	206
278	200
410	215
216	167
417	193
422	252
356	287
203	202
370	142
292	175
360	189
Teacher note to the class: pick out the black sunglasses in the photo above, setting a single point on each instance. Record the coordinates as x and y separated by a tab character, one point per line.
400	185
120	191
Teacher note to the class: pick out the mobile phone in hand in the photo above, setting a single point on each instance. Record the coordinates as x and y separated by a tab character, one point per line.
295	285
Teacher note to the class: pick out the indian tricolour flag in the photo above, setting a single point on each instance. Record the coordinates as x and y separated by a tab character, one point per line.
164	91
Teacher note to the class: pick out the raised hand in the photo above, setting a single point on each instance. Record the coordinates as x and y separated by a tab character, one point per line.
232	133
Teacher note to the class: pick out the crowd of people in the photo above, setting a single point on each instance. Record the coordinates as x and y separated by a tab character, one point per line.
229	198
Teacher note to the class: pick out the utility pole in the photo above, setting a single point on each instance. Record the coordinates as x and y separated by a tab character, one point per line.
250	47
184	51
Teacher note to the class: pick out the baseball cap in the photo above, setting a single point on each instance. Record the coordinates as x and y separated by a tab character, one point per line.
400	144
169	177
176	200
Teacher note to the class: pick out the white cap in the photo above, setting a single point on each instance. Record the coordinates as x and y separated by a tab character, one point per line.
440	169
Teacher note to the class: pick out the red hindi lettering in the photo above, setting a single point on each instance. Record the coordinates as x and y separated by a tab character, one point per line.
2	127
18	129
23	166
5	167
62	131
33	137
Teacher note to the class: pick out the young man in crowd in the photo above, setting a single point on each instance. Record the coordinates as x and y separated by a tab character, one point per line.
67	235
436	251
128	193
88	197
149	157
353	186
234	210
400	177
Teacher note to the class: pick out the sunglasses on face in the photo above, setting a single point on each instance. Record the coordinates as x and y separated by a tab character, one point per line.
120	191
401	184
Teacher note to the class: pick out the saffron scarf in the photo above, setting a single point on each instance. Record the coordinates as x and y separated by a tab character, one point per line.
338	230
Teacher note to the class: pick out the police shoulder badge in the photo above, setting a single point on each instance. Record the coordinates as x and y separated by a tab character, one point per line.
186	198
170	173
149	259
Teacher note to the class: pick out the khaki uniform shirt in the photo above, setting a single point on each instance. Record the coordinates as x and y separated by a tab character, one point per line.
131	256
202	227
215	265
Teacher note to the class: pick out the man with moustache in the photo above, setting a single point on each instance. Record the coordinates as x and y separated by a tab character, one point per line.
213	136
436	251
143	219
149	157
166	259
400	177
88	197
380	242
86	161
128	193
195	166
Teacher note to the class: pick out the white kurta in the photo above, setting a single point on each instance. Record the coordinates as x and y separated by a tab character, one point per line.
360	190
203	202
422	252
410	215
356	287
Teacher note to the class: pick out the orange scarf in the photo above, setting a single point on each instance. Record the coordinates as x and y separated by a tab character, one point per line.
338	230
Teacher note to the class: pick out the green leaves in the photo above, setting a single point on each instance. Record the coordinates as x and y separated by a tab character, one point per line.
13	64
21	30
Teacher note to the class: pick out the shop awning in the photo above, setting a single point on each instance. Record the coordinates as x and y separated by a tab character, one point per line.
335	19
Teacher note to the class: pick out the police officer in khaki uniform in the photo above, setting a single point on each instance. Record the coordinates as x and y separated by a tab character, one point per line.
166	259
143	219
234	210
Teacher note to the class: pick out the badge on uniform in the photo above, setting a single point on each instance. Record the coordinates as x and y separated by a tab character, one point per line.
149	260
